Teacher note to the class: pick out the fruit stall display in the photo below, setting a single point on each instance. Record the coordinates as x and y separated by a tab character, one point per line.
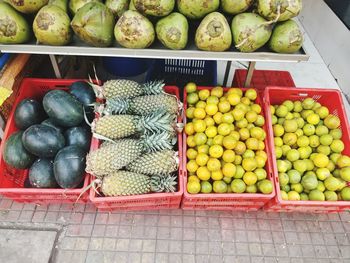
213	25
136	151
309	142
42	156
225	150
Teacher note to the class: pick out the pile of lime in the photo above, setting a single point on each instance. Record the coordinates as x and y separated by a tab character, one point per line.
308	149
225	142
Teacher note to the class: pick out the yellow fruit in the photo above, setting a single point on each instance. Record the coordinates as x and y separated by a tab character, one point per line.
293	196
249	164
224	129
213	164
193	187
218	139
343	161
193	178
238	160
322	111
313	119
281	111
242	123
256	108
258	133
200	138
224	106
202	159
332	121
252	143
203	94
290	138
217	92
229	142
211	109
222	99
262	154
212	99
191	87
211	131
238	114
250	178
229	169
251	116
240	148
260	173
217	175
260	121
216	151
248	154
192	98
203	149
218	117
206	187
203	173
210	141
191	154
189	128
278	130
192	166
244	134
233	99
189	112
220	187
278	141
237	91
201	104
228	156
209	121
260	161
265	186
290	125
238	186
251	94
321	160
199	113
190	141
284	195
245	101
227	118
199	126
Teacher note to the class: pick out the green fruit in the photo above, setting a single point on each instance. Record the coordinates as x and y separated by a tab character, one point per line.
75	5
337	146
251	189
297	188
303	141
293	155
28	112
332	183
286	37
300	166
285	188
309	129
196	9
239	172
321	186
321	130
336	134
345	194
314	141
331	196
322	173
304	197
316	195
41	174
249	32
260	173
219	187
283	179
27	6
51	26
79	136
206	187
282	166
265	186
235	7
321	160
172	31
154	7
309	182
293	196
284	195
290	125
118	7
238	186
332	121
343	161
285	149
213	33
290	139
278	152
14	28
308	103
63	4
277	9
304	152
93	24
298	107
294	176
309	165
322	112
345	173
281	111
326	150
326	139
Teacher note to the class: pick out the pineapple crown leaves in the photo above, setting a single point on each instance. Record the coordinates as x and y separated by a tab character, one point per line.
116	106
156	142
157	121
153	87
163	183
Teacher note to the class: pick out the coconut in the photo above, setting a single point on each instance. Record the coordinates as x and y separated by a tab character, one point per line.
154	7
118	7
235	7
213	33
286	37
51	26
250	31
196	9
14	29
134	30
93	23
279	10
74	5
63	4
27	6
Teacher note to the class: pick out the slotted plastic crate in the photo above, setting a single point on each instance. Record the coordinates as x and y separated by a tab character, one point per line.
263	78
330	98
12	181
179	72
229	201
151	201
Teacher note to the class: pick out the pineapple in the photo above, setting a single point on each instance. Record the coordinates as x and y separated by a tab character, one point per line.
143	104
156	163
122	88
114	156
121	183
121	126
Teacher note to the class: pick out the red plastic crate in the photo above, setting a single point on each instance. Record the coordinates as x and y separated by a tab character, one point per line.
12	180
330	98
263	78
229	201
152	201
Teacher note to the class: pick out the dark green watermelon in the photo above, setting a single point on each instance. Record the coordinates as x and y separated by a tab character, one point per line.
79	136
69	166
41	174
28	112
15	154
43	141
83	92
49	122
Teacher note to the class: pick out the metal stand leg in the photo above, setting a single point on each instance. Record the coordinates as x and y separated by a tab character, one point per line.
249	74
227	73
55	66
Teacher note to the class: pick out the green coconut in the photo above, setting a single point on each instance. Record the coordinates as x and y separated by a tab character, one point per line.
286	37
14	29
172	31
63	4
133	30
154	7
234	7
118	7
279	10
51	26
213	33
74	5
132	6
27	6
93	24
196	9
250	31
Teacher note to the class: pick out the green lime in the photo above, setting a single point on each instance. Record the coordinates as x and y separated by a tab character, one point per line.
251	189
260	173
293	196
300	166
297	187
284	195
308	103
309	129
283	179
322	173
219	187
281	111
304	197
191	87
332	183
294	176
336	134
298	107
337	146
326	139
345	194
265	186
324	149
192	98
309	182
206	187
316	195
303	141
321	130
293	155
331	196
238	186
314	140
345	173
321	186
289	104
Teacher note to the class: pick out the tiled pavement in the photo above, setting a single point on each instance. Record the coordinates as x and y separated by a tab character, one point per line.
85	235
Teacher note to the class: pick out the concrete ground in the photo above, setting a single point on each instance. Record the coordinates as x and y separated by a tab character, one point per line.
81	234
